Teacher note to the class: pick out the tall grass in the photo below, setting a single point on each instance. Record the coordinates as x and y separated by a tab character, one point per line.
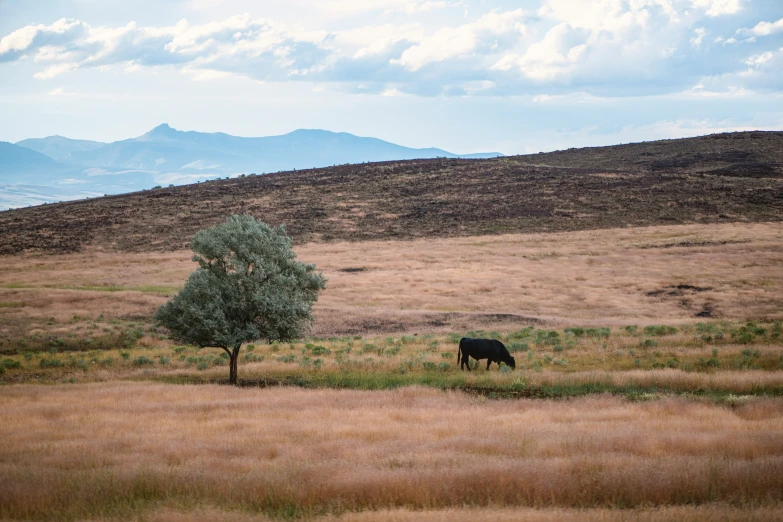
289	451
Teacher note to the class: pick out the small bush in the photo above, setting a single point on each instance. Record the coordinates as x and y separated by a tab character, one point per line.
143	361
561	362
659	330
518	347
203	365
289	358
443	366
454	338
125	355
631	329
50	363
163	361
446	355
649	343
321	350
10	364
252	357
108	361
577	332
179	349
429	366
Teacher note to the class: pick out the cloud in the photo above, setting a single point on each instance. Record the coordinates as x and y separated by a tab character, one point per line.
460	41
765	28
718	7
602	48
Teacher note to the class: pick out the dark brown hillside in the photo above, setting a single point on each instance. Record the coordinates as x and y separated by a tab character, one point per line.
728	177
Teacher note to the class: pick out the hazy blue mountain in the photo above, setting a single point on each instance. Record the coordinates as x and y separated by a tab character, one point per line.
19	160
170	150
59	148
58	168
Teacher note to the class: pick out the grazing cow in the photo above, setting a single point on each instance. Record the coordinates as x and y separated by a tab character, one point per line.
490	349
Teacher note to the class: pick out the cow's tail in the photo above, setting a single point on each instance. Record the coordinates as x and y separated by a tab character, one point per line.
459	352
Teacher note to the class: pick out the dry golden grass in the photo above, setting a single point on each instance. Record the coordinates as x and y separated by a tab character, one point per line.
597	277
120	449
706	513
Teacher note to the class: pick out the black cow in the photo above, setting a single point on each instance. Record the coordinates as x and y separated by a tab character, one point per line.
490	349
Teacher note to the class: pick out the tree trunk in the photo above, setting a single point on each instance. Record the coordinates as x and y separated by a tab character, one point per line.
234	358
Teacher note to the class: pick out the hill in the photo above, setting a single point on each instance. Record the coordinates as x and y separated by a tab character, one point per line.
59	148
719	178
16	158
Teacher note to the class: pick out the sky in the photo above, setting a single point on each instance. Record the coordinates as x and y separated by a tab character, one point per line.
462	75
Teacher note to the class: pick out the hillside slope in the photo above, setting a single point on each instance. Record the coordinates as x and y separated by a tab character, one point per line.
59	148
738	178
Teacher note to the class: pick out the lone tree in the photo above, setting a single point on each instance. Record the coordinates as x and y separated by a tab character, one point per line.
248	286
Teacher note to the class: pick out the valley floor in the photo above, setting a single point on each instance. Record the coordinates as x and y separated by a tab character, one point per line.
648	386
598	278
131	449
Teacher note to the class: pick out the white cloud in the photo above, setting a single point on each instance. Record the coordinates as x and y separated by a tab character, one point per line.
765	28
602	47
718	7
454	42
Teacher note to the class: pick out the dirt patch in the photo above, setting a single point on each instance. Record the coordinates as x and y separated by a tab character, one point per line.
677	290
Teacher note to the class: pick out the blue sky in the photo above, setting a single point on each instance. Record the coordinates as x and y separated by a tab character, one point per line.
462	75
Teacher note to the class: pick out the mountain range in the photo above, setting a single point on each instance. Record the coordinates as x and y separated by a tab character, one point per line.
56	168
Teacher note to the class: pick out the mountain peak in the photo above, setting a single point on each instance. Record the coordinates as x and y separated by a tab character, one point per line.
161	131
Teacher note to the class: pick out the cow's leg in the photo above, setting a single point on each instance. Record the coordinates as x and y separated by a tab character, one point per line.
489	361
466	360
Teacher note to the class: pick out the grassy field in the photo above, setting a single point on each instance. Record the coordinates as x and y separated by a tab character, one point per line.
649	385
612	277
122	449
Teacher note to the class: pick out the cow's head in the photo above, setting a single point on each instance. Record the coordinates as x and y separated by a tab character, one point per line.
511	362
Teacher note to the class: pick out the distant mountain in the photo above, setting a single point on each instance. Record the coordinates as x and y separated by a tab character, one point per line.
166	156
169	150
15	159
59	148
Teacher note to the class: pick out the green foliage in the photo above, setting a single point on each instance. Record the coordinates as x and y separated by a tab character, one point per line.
518	347
447	355
50	363
659	330
10	364
429	366
577	332
631	329
248	286
143	361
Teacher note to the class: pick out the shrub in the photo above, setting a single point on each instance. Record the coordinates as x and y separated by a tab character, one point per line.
649	343
108	361
561	362
289	358
321	350
429	366
391	352
443	366
143	361
454	338
203	365
252	357
446	355
518	347
125	355
577	332
631	329
50	363
179	349
10	364
659	330
163	361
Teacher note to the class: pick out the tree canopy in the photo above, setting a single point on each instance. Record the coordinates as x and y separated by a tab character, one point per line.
248	286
